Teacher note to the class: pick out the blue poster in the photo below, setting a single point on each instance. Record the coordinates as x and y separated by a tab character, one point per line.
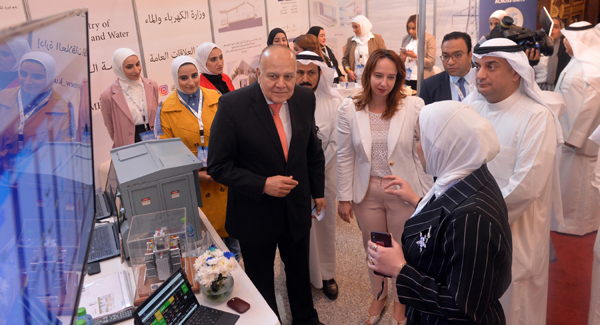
523	12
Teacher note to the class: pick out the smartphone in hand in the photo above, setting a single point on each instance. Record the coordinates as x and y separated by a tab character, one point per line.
382	239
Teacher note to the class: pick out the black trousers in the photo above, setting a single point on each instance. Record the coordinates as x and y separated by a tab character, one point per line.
259	262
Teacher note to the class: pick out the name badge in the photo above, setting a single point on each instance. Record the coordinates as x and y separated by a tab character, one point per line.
148	135
203	155
359	70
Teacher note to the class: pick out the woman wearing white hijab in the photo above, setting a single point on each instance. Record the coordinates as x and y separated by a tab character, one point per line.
129	104
210	63
409	52
32	107
360	46
496	18
188	114
456	254
11	53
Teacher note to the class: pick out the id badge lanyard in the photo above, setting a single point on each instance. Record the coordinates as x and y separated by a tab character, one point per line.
202	149
460	94
138	106
23	117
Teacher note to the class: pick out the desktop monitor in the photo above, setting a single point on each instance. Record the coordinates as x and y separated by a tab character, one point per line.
46	169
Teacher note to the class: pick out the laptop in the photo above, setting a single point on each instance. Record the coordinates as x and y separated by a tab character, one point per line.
105	200
102	206
105	242
174	302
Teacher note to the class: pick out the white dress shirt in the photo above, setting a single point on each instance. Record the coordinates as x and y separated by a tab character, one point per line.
135	96
284	115
470	83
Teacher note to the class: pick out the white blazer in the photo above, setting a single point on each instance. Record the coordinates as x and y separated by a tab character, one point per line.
354	149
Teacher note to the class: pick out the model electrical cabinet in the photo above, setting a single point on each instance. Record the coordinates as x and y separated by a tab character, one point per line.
157	175
159	246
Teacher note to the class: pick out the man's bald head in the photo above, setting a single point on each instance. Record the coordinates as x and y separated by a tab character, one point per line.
277	73
276	50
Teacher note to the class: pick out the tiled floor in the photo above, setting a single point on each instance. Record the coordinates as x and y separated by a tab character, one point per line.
354	290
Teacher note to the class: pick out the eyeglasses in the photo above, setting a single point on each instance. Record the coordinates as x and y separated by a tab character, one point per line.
455	56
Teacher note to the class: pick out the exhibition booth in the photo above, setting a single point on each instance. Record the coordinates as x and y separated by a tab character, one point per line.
113	250
83	224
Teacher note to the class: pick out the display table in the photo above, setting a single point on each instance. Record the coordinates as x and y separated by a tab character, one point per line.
259	312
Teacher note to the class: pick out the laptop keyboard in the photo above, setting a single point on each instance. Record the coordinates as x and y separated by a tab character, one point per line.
205	316
98	205
101	246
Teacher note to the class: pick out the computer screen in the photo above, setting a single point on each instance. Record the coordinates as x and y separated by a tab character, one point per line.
46	168
172	304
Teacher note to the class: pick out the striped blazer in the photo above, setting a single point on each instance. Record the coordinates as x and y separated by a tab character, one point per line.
459	255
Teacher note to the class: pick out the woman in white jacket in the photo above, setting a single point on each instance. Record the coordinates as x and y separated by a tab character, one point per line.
375	140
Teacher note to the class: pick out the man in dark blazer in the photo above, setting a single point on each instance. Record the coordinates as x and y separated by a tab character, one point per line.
270	186
457	79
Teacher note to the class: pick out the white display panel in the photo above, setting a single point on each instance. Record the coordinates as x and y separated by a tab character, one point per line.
168	32
335	16
389	20
11	13
240	30
290	15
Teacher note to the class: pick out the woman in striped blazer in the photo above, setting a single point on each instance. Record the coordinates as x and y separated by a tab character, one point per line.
455	259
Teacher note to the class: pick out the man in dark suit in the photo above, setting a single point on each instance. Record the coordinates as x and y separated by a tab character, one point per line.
264	147
458	79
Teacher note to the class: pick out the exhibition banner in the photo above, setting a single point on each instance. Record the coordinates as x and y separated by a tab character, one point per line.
240	30
335	16
168	32
523	12
11	13
289	15
111	25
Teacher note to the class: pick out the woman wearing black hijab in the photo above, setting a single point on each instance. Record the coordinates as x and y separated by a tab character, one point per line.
277	36
330	59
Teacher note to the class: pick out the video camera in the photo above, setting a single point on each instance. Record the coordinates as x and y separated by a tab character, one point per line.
527	38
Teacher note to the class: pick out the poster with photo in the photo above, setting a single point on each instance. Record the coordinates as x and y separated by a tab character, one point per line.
335	16
11	13
168	32
289	15
240	30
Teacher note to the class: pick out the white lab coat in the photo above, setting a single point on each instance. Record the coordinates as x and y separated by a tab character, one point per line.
354	150
581	209
322	233
524	171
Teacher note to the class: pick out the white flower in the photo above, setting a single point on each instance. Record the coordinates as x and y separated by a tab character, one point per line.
212	263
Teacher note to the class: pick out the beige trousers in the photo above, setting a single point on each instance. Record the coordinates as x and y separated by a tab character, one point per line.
381	212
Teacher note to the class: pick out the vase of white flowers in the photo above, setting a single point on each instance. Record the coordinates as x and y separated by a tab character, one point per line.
213	272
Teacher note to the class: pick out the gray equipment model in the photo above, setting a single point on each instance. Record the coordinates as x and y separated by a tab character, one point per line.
157	175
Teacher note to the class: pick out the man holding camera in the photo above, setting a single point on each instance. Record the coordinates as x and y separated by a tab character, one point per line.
509	98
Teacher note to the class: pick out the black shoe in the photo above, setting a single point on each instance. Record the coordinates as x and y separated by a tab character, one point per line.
330	288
